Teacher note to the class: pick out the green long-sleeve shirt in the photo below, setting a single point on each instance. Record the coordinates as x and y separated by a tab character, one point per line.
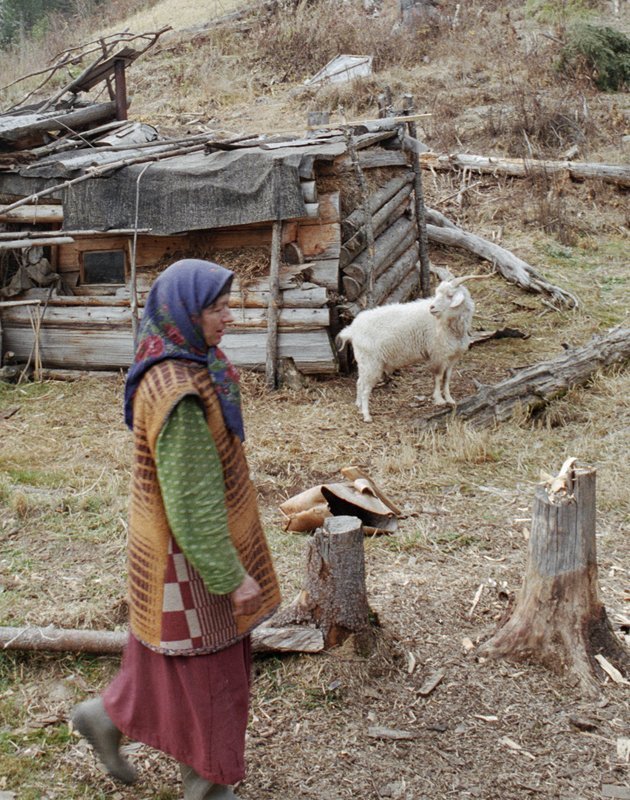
193	492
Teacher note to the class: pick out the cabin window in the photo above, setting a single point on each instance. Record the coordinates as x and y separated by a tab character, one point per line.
103	266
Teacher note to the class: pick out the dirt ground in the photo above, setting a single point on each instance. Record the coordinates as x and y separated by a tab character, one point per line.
489	729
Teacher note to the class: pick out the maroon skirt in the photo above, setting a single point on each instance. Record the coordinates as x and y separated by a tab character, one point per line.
194	708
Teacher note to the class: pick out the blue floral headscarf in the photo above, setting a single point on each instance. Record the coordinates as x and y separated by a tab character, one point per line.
171	328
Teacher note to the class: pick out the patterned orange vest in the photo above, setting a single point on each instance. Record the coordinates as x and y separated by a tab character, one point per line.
170	610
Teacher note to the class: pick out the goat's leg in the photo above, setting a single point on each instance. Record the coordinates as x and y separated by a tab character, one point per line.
438	374
446	386
369	376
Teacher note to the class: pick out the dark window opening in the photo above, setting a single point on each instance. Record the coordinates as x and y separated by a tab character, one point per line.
104	266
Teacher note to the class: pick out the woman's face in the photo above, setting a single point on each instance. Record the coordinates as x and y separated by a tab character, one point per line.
215	319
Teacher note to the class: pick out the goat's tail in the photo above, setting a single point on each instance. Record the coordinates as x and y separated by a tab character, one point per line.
342	338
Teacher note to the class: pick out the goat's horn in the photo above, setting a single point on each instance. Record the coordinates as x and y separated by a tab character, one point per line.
464	278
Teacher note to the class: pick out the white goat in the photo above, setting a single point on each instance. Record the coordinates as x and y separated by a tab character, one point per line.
435	330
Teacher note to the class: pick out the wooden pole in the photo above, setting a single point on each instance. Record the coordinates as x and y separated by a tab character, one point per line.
421	219
275	296
133	278
365	205
120	83
559	619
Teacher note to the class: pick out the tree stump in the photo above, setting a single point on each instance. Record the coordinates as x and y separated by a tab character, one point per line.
558	619
334	596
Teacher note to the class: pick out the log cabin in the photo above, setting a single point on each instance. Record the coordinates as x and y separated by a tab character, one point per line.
88	220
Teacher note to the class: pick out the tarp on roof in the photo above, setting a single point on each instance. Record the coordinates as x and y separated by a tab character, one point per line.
197	191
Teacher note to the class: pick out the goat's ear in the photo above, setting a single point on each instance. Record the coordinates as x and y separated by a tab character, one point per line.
458	299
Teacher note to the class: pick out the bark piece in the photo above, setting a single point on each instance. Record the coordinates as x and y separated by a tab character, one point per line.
559	619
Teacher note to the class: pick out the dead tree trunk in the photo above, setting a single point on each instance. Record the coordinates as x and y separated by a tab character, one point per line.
533	387
558	619
334	596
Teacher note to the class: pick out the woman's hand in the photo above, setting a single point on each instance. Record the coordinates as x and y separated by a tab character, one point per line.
246	598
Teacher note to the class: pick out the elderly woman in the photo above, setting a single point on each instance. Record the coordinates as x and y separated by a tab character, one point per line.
200	573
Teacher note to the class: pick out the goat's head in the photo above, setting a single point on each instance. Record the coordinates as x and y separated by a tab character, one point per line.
451	298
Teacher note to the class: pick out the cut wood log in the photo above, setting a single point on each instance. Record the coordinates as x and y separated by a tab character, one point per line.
334	596
524	167
532	388
41	214
371	159
389	281
388	247
384	218
510	266
266	638
369	259
88	347
559	619
319	241
324	273
354	221
111	317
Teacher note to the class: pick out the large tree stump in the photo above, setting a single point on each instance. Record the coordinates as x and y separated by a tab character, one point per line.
558	619
334	596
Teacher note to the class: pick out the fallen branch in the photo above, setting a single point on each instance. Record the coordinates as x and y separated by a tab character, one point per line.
512	268
534	387
266	638
524	167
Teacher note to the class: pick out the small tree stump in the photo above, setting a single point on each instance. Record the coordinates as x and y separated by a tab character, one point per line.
558	619
334	596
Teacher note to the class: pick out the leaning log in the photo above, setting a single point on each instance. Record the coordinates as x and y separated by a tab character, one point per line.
512	268
266	638
532	388
525	167
559	619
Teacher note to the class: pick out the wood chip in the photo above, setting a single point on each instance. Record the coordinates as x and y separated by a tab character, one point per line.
583	724
411	663
475	601
611	671
429	685
376	732
515	746
618	792
623	748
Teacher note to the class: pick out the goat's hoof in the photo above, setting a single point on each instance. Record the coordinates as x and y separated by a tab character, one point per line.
367	419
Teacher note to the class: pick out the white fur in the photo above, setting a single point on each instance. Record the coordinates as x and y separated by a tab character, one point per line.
435	330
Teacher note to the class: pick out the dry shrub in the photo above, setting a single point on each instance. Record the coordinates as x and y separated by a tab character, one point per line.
301	38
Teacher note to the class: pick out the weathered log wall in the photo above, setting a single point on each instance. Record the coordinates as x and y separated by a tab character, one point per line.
326	270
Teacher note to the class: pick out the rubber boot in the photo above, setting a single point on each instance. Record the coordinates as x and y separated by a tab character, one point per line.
198	788
93	722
